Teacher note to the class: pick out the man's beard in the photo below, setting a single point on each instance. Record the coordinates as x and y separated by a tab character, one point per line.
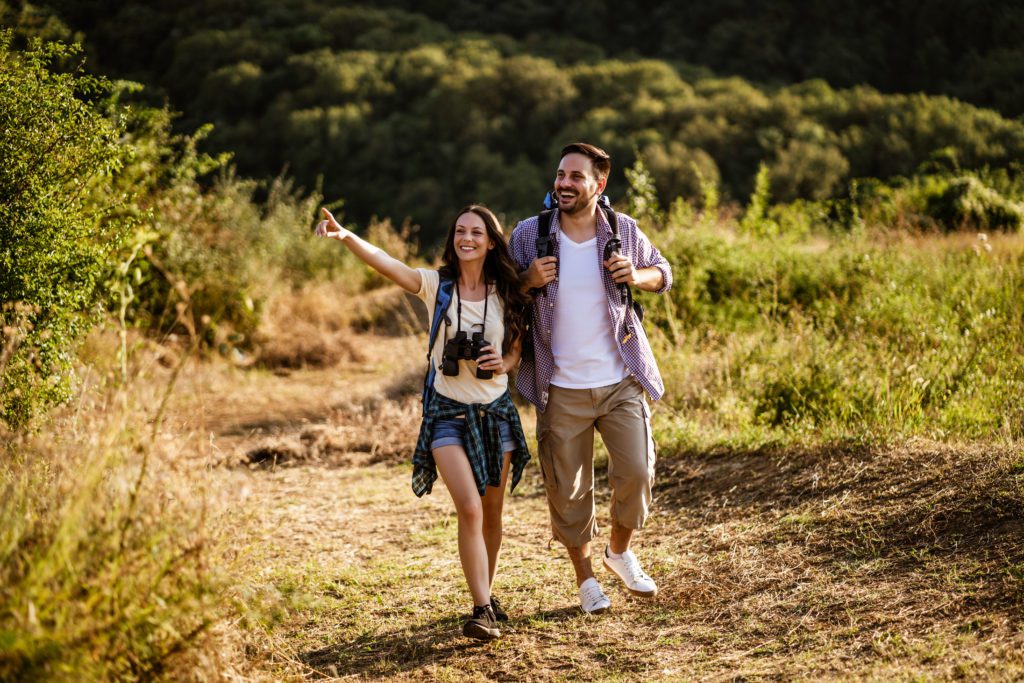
581	202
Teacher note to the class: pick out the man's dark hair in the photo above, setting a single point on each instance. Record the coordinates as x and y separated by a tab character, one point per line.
601	160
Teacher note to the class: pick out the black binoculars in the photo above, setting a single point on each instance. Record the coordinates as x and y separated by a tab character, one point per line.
614	245
461	347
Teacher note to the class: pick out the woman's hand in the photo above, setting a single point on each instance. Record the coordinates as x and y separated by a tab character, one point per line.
331	228
491	359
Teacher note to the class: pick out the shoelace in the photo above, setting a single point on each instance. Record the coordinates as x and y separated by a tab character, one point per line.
633	568
593	593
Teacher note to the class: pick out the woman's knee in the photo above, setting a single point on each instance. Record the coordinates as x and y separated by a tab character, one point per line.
470	511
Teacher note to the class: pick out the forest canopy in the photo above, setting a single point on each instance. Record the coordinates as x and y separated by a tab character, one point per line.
408	109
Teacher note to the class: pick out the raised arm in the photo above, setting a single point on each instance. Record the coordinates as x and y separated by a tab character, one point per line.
402	275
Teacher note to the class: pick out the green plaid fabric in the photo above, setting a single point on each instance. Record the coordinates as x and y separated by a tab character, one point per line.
483	441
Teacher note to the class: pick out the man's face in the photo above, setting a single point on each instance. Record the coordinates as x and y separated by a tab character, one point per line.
576	183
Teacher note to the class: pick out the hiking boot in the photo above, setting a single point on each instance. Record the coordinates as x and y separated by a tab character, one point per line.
592	598
483	625
627	567
499	613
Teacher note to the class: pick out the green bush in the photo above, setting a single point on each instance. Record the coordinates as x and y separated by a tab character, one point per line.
58	228
967	202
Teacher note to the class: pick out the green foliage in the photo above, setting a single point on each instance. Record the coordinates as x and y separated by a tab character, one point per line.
756	221
58	228
641	197
967	202
404	116
853	335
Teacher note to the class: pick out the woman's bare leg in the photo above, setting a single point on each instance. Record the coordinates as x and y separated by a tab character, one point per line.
454	468
493	504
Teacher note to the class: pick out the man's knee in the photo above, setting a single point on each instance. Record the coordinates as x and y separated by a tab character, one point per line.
634	473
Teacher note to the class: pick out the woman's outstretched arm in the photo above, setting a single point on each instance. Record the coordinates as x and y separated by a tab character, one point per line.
402	275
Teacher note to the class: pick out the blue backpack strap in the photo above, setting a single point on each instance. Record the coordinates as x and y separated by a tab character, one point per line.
441	301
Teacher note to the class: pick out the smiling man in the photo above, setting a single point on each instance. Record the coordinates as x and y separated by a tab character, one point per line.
592	364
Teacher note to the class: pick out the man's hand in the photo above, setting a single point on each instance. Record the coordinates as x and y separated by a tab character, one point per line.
540	272
622	269
331	228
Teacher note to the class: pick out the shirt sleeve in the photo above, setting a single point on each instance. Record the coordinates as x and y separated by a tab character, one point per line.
648	256
429	281
517	247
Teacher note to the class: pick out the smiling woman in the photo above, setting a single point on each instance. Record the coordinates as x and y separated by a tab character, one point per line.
471	431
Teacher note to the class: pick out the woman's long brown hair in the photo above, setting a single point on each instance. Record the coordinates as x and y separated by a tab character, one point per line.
499	269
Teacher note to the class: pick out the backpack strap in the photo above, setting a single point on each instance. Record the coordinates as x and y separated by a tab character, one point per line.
605	205
544	224
625	290
441	301
543	241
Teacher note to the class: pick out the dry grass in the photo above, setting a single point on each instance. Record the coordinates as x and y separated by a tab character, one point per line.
897	562
819	564
312	326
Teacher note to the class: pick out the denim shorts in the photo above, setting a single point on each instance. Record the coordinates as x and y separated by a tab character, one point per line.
453	433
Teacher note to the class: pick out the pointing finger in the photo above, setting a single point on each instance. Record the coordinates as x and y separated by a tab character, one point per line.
328	216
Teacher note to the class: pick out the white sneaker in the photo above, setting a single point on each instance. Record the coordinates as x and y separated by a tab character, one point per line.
629	570
592	598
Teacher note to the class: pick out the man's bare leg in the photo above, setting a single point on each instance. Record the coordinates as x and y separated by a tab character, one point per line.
620	538
581	563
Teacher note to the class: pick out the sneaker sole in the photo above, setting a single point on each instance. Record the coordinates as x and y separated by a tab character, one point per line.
639	594
600	610
480	632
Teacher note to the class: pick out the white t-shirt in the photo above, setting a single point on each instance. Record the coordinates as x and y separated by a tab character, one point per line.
581	337
465	387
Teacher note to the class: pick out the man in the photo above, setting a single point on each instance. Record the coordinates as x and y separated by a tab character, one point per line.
592	363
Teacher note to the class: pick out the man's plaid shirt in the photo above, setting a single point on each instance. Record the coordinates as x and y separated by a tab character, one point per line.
483	441
534	376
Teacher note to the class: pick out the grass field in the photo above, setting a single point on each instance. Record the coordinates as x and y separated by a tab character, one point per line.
254	522
899	561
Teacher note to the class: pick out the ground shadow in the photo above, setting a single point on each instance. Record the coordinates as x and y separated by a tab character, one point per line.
414	647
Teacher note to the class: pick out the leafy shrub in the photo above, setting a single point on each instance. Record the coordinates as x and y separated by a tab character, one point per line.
967	202
58	230
854	333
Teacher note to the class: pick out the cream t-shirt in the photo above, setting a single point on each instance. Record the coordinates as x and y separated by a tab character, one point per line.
465	387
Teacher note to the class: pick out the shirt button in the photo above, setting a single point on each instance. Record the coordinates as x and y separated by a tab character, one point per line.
551	305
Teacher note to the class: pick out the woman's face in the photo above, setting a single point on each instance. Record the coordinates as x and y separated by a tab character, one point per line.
471	241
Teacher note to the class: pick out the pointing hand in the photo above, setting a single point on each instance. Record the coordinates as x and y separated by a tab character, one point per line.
329	227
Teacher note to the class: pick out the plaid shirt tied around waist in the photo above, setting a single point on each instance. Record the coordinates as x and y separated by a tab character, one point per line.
534	376
483	441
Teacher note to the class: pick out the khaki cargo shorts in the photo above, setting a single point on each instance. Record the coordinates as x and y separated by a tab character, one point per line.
565	448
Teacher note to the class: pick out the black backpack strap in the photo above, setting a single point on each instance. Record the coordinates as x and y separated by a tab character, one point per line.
543	232
626	290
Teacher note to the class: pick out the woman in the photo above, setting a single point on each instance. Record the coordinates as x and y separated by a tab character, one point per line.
471	431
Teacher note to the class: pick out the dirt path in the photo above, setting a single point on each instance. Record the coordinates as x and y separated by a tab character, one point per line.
824	564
